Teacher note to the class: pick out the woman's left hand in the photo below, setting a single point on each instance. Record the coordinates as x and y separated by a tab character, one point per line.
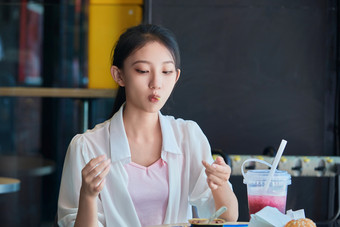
218	173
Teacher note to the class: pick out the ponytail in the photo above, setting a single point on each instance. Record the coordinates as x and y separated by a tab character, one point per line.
119	100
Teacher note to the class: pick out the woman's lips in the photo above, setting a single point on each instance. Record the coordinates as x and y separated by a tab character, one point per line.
154	98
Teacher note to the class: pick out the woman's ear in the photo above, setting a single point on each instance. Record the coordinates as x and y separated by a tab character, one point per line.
116	74
178	74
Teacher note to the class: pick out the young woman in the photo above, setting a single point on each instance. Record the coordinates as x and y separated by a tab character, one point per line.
142	168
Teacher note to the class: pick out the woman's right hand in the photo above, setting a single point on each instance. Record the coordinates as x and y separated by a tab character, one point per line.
93	176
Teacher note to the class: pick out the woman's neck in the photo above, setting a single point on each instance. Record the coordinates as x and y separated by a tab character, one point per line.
140	125
144	134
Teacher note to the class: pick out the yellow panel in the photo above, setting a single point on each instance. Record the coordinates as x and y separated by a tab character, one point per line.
106	23
116	2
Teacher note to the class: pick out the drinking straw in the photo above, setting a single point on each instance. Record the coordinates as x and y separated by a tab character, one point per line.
217	214
275	163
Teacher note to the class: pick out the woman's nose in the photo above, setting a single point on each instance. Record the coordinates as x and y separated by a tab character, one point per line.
156	82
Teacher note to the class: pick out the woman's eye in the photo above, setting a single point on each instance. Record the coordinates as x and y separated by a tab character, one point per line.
142	71
167	72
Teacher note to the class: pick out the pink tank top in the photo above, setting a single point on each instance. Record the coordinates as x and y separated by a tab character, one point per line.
149	190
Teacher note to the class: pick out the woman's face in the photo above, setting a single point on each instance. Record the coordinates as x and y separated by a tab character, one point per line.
149	75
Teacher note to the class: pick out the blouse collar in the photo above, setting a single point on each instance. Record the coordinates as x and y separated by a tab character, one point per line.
119	145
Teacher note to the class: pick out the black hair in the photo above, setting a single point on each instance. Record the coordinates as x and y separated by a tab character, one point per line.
135	38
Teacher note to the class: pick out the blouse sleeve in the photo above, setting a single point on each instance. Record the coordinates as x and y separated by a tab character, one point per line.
200	194
76	158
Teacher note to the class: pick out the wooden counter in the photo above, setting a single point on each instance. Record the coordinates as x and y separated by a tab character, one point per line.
57	92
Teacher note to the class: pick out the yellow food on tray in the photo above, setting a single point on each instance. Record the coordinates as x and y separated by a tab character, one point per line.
200	221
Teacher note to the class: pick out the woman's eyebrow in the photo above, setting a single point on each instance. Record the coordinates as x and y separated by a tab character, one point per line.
168	62
141	61
148	62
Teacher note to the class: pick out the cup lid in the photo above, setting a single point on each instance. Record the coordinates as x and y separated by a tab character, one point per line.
261	175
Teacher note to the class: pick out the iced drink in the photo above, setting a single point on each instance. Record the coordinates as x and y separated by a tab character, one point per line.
258	202
274	196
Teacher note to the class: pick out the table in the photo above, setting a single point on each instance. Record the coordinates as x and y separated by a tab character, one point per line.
8	185
173	225
235	224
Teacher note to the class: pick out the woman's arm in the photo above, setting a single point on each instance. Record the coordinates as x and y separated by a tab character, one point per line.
93	181
218	175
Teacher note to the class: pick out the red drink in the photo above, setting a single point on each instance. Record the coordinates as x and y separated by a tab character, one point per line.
262	193
258	202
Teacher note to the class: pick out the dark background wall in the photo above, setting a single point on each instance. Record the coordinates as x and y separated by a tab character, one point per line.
255	72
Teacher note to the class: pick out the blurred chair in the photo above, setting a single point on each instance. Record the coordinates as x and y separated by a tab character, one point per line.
55	224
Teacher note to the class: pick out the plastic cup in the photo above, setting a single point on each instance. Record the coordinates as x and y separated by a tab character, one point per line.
274	196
